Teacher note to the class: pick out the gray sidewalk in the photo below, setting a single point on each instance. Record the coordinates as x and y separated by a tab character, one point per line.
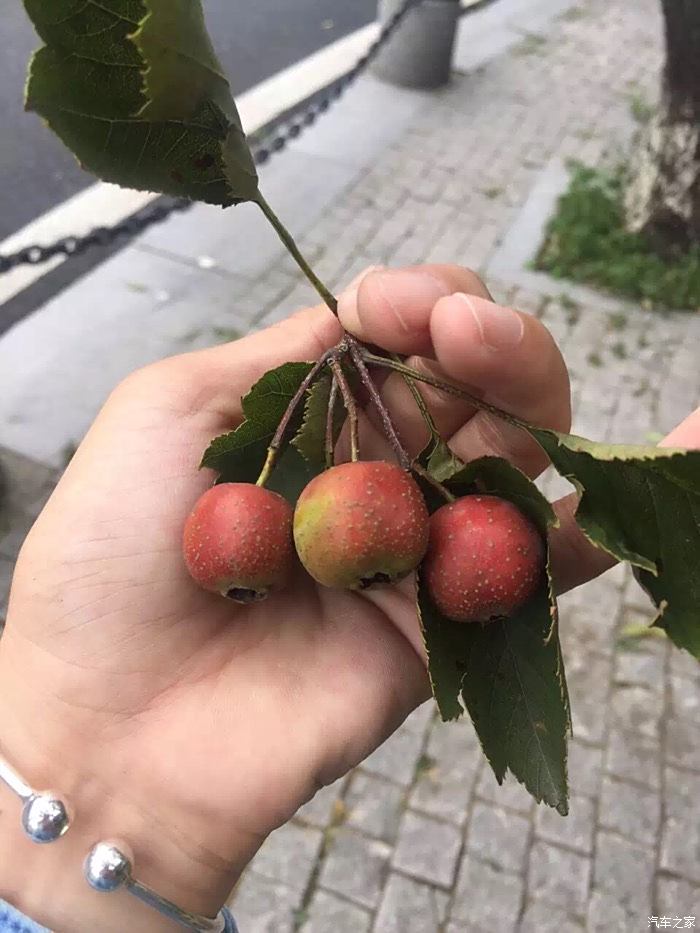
420	839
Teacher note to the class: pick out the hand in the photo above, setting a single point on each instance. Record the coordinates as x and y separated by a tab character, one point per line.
189	726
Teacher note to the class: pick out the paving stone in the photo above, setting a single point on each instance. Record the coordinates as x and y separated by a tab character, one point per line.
398	757
374	806
543	918
585	766
264	906
683	664
355	867
606	913
559	876
634	757
624	870
289	856
327	913
629	810
444	786
485	898
683	743
319	811
637	709
640	668
510	794
685	698
588	678
410	907
428	849
498	837
676	897
680	837
7	567
574	831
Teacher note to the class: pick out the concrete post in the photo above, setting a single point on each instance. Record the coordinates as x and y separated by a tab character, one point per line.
419	54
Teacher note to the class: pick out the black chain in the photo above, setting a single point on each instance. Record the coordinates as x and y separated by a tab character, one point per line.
276	139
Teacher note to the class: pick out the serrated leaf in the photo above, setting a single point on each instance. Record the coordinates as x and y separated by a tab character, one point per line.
642	505
442	463
310	440
509	674
238	456
134	88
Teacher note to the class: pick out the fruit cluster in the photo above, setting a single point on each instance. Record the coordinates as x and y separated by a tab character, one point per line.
360	524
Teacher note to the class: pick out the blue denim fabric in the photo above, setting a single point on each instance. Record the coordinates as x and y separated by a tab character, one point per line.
12	921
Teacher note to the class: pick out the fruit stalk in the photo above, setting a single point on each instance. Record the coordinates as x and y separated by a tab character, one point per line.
276	442
330	436
350	407
356	353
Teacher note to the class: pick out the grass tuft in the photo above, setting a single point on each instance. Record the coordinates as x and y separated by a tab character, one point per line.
586	241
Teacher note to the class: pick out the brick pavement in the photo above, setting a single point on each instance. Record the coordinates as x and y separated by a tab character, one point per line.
420	839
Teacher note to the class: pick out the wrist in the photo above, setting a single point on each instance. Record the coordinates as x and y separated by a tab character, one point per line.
111	798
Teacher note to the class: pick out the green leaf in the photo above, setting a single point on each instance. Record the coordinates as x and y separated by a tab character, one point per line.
310	440
441	462
291	474
508	673
642	505
238	456
134	88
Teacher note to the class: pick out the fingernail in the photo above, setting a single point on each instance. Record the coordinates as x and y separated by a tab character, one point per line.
500	328
350	291
408	291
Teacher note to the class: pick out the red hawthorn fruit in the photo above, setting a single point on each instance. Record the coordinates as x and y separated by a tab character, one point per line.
485	559
238	541
361	523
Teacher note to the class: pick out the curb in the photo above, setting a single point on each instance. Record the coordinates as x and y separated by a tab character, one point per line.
262	108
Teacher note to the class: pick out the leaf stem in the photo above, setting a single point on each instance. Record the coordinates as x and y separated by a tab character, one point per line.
356	352
385	363
276	442
350	407
330	439
296	254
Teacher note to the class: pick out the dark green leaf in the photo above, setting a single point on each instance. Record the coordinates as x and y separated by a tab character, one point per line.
291	475
310	440
133	87
509	674
641	504
239	456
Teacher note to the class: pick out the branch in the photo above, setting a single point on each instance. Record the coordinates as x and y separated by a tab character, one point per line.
350	407
330	439
276	442
356	353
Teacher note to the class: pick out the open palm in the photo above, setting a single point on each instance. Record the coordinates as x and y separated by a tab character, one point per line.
225	718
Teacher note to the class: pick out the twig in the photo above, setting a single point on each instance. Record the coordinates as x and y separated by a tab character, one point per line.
330	423
385	363
276	442
296	254
355	349
350	407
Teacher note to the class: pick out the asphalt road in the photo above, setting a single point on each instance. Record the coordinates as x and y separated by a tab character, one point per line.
254	40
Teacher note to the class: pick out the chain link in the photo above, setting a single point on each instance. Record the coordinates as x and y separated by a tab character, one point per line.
275	140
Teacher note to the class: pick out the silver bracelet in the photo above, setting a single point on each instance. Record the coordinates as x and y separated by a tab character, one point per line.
108	866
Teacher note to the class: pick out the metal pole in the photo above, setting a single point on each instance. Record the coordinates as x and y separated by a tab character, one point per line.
419	55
